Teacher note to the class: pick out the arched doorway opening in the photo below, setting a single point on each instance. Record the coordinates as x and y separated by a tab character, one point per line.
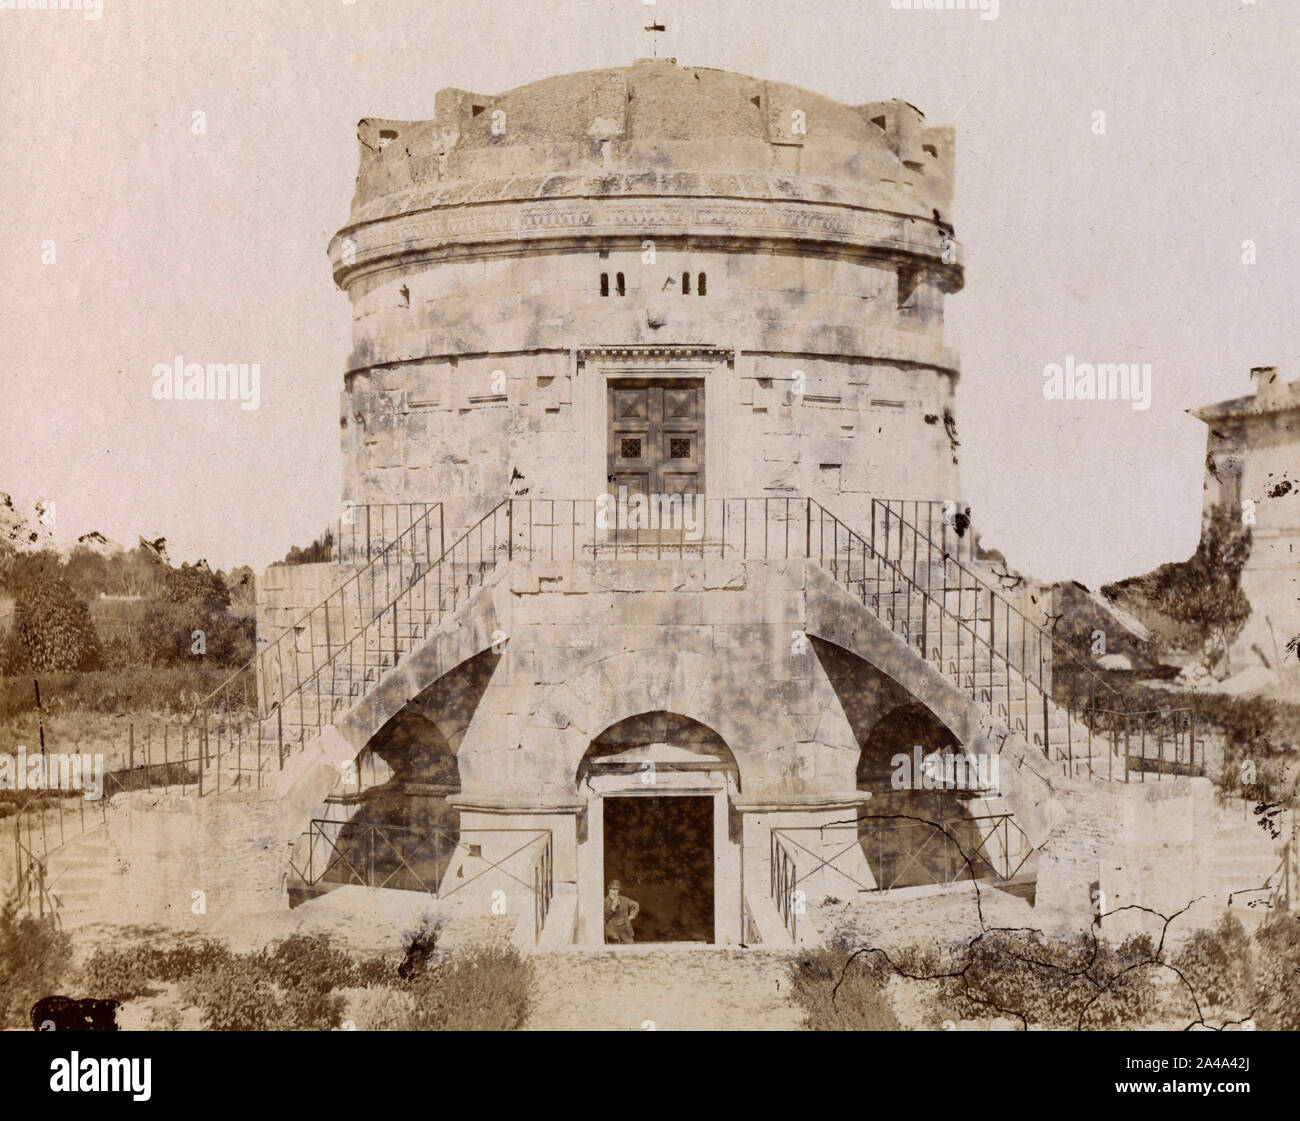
388	823
918	828
658	788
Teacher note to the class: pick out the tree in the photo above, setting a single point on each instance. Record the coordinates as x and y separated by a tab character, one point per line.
1204	593
52	631
194	620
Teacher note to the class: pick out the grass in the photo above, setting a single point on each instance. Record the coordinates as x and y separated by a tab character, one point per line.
306	983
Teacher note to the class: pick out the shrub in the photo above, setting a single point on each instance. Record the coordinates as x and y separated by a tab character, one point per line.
165	689
34	957
1277	991
123	973
119	974
52	631
238	996
860	1003
232	998
421	946
483	988
308	961
1217	964
379	1008
1060	983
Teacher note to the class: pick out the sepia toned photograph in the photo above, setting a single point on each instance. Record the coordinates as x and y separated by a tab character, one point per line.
650	515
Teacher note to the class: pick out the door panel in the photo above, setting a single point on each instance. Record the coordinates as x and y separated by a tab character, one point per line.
656	437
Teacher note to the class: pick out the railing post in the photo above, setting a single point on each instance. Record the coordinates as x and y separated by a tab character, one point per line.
510	529
807	527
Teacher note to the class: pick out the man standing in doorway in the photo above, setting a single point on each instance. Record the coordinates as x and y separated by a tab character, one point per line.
619	913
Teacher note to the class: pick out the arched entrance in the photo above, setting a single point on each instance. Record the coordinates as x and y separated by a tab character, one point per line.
918	828
658	789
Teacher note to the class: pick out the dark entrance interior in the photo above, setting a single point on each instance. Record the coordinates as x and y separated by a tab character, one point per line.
661	848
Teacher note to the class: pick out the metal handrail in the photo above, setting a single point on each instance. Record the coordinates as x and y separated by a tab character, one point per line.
782	866
405	843
1067	654
394	547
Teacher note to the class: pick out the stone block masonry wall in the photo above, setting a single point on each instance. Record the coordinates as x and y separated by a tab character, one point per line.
1142	845
285	593
165	848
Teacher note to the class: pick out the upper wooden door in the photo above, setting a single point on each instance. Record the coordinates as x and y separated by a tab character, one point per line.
656	436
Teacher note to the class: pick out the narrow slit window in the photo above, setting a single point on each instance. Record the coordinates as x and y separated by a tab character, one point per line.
909	279
621	287
686	284
604	284
702	286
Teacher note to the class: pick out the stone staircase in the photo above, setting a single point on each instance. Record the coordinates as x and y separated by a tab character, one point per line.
951	614
1247	861
78	875
948	612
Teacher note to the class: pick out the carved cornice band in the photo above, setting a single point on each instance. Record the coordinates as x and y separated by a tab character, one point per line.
356	251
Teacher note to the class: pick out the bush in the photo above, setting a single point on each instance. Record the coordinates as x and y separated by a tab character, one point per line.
119	974
239	996
1277	990
860	1003
310	962
483	988
34	957
164	689
1217	964
1060	983
52	631
125	973
379	1008
422	944
304	983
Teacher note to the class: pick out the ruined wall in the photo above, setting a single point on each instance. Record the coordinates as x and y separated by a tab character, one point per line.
1253	456
1140	845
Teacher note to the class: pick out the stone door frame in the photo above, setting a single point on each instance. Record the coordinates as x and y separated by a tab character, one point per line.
727	888
595	367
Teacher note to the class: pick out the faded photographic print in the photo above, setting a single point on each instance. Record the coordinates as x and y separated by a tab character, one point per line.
648	515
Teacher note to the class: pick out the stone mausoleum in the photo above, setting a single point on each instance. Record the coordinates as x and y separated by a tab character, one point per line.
654	564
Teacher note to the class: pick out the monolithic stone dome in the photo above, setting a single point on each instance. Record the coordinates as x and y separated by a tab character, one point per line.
652	129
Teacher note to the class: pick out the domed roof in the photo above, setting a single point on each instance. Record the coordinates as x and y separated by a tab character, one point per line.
653	129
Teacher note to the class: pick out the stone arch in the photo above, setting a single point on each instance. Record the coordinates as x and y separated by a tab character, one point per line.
658	789
698	687
662	741
918	828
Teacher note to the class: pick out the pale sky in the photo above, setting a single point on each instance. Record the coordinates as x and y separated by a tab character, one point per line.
1122	247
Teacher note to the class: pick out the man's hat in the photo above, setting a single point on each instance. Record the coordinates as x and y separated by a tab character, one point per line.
614	885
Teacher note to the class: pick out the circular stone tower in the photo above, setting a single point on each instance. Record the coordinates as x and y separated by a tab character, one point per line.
668	282
772	260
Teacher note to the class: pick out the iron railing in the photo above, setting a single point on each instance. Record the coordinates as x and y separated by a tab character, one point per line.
365	530
543	886
340	650
783	885
381	855
910	853
998	634
962	847
295	686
